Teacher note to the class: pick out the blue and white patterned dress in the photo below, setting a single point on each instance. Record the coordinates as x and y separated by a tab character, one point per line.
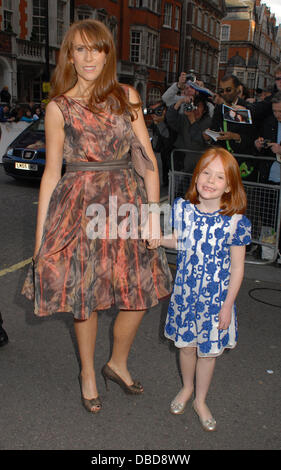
202	277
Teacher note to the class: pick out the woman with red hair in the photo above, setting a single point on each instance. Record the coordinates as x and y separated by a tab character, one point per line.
210	234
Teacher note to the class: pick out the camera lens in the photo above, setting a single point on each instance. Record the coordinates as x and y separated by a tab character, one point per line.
188	107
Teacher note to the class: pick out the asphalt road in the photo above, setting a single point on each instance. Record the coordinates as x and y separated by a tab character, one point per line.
40	396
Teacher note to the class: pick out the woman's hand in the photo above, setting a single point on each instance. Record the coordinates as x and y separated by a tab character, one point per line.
152	233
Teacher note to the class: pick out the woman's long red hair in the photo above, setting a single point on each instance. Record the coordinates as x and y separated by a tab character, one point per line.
106	89
232	202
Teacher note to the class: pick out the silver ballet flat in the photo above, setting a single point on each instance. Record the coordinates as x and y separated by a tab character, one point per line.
207	424
177	408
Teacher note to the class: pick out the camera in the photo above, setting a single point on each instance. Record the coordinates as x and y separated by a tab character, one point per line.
189	107
157	111
265	143
190	76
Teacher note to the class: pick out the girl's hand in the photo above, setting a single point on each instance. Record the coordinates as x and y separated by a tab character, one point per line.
224	317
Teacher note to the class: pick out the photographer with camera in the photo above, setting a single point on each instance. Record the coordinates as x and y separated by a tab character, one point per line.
187	86
190	127
179	90
163	136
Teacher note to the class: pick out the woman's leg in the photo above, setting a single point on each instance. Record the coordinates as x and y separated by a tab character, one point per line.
86	332
204	373
125	328
188	360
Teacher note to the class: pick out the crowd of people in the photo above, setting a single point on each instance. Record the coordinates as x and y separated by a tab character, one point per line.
189	111
29	112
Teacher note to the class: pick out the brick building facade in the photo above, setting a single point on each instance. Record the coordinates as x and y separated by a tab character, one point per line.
27	52
249	43
200	43
146	33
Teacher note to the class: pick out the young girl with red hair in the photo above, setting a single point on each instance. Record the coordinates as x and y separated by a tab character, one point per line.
210	234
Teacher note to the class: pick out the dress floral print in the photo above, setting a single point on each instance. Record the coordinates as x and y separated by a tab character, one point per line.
203	272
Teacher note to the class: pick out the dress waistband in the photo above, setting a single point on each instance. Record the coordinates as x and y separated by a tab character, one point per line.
111	165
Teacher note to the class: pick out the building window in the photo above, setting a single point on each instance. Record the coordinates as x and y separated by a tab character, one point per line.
175	63
206	22
251	80
82	15
154	95
225	32
199	18
135	53
212	27
168	10
7	15
166	60
60	22
224	54
177	18
209	64
39	13
197	60
151	49
203	62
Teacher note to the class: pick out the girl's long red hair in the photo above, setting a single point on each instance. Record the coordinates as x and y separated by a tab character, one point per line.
232	202
106	89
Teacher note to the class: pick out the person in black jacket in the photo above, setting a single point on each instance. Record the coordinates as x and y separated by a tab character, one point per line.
236	137
269	141
163	136
190	126
5	96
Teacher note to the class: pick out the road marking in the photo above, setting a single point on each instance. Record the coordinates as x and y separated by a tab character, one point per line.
15	267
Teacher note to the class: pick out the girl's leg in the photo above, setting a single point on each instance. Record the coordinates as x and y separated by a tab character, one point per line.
124	332
188	360
86	332
204	373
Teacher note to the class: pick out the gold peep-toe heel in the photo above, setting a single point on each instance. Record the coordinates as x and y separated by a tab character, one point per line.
93	405
108	374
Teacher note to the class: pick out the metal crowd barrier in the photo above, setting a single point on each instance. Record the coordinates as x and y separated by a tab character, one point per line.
263	208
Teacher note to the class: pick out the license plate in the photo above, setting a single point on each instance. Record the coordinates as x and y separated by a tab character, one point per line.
26	166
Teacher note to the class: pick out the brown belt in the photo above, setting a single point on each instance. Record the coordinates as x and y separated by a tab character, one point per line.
111	165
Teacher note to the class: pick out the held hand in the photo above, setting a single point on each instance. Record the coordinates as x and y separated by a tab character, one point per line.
152	230
228	136
156	119
237	106
224	317
276	148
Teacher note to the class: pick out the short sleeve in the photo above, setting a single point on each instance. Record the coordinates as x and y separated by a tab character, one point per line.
182	217
176	213
240	230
